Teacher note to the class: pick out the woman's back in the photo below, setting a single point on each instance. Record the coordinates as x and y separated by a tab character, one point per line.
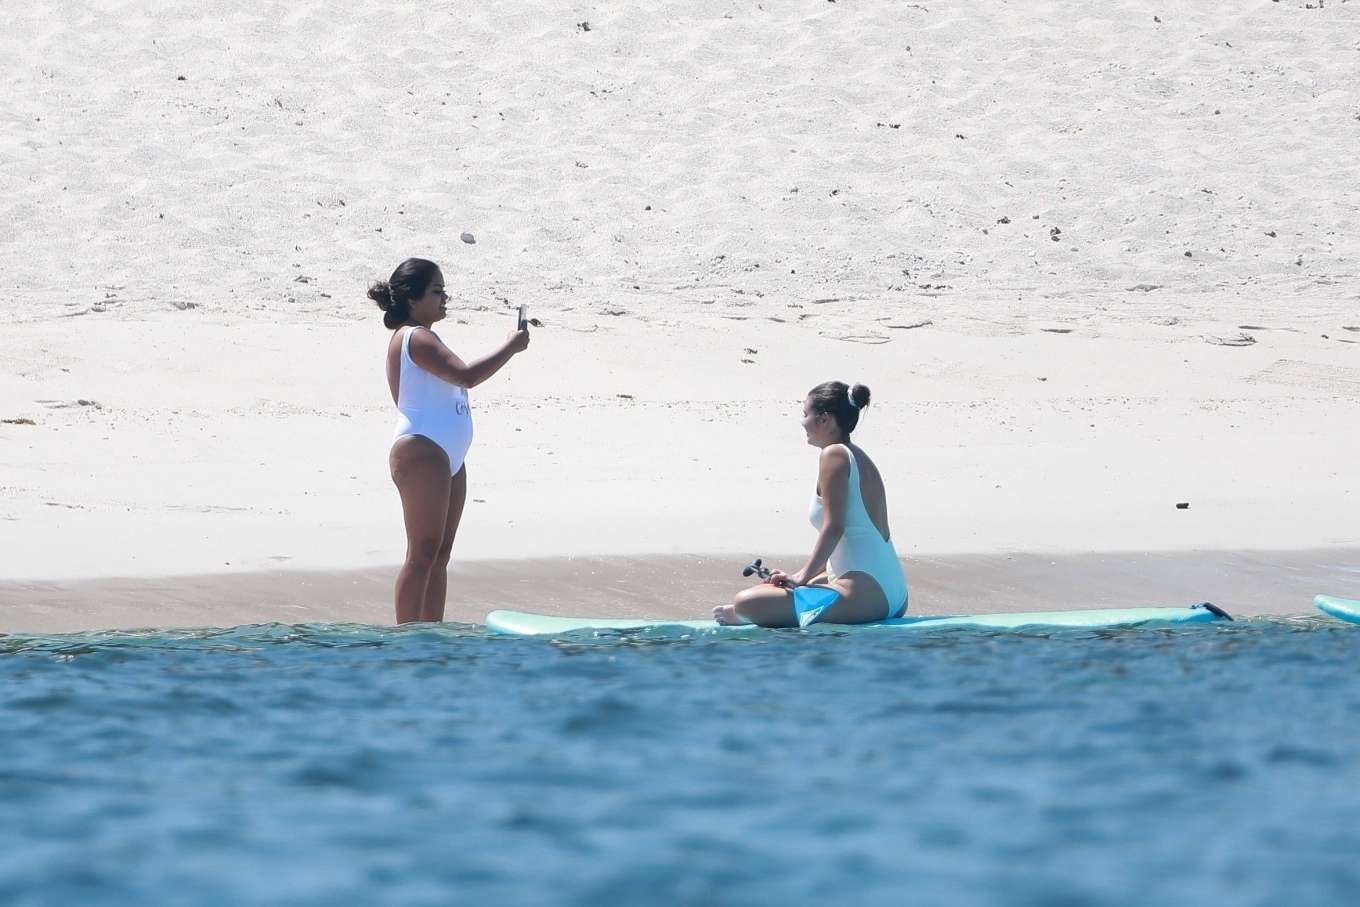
871	492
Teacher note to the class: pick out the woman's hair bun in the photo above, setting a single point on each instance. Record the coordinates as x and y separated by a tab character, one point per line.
859	395
408	282
380	293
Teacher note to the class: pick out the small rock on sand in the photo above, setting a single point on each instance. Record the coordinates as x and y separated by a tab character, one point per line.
468	238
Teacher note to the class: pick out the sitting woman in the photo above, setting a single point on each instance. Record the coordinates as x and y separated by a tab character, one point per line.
865	581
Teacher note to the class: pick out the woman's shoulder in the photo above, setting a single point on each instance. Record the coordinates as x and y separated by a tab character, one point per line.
835	457
422	336
412	340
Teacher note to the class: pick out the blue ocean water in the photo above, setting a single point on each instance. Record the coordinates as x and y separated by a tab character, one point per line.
434	765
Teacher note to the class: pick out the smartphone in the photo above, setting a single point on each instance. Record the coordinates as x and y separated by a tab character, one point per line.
523	318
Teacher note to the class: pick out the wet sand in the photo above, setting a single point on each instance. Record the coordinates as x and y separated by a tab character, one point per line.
1246	583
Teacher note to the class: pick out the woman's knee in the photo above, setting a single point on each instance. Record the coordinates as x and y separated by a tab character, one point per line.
444	552
745	595
748	600
424	553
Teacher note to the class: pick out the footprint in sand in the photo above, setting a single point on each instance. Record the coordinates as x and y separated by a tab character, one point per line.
1315	376
1239	340
208	508
66	404
873	339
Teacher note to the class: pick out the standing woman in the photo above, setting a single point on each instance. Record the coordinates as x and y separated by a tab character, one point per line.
429	384
853	575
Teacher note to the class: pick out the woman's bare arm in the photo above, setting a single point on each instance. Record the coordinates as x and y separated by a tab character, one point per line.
428	352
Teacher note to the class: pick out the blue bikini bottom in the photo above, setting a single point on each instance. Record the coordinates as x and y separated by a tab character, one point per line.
811	602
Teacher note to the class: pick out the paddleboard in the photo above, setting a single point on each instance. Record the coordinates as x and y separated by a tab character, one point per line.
522	623
1340	608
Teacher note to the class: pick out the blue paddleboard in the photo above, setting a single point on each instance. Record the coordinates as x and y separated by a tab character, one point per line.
522	623
1340	608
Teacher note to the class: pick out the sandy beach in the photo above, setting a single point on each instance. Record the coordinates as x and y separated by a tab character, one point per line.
1094	263
1247	584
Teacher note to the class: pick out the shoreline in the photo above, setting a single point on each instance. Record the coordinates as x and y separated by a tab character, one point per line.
1248	583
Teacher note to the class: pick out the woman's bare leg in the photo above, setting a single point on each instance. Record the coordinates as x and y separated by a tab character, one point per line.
765	605
433	607
420	469
861	601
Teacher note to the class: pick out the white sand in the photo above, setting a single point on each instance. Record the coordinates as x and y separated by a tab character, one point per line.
192	256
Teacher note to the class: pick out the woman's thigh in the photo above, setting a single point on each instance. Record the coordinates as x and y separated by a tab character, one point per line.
420	470
767	605
457	501
861	600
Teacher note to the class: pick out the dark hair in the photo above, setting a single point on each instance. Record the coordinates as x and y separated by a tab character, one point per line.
840	400
409	281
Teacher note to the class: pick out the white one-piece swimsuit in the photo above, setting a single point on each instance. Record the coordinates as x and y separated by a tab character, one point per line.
862	548
431	407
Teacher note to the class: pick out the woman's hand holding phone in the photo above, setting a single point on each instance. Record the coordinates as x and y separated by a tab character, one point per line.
519	338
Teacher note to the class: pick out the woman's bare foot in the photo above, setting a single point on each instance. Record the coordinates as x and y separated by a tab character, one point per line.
727	616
